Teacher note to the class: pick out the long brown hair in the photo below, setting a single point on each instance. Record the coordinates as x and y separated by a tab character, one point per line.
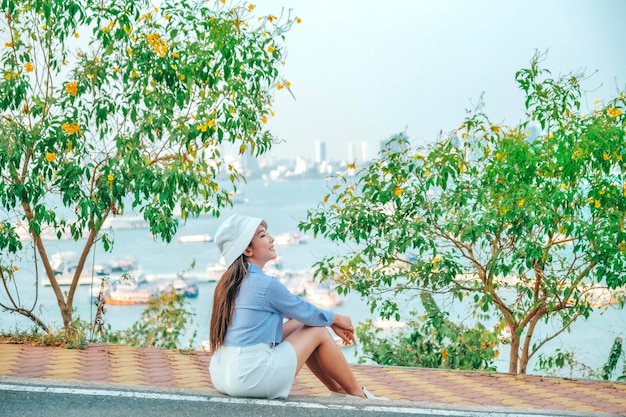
224	296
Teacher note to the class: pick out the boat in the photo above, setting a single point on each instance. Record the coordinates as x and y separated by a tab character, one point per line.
127	296
294	281
129	279
290	239
215	270
388	324
181	287
191	290
199	238
324	298
123	265
128	289
124	222
322	294
64	268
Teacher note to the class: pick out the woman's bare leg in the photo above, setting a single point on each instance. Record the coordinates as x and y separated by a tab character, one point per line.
329	364
313	362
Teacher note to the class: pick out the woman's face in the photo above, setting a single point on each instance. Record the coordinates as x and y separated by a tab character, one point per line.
261	249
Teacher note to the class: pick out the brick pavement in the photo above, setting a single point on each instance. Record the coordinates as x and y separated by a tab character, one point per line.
170	369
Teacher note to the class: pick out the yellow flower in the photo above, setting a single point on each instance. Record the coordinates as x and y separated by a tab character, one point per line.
298	20
8	44
70	128
398	191
250	7
16	268
72	88
521	202
351	165
270	49
287	83
76	35
271	18
51	156
280	86
8	76
110	177
175	54
614	112
264	119
223	1
28	67
605	156
444	354
597	204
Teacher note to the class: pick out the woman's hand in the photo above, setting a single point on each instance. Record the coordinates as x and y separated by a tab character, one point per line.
342	326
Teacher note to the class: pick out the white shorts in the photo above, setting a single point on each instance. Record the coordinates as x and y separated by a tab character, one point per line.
259	371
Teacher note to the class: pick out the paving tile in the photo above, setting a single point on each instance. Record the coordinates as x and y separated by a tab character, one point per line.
138	366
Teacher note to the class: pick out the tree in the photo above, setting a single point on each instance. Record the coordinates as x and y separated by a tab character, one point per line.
432	341
163	325
523	222
114	106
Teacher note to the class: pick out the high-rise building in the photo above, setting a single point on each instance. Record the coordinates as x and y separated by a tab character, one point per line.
357	152
320	152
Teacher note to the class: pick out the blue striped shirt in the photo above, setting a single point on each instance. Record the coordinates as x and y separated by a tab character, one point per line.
260	307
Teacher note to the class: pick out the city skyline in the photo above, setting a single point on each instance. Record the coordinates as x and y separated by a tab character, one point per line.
362	72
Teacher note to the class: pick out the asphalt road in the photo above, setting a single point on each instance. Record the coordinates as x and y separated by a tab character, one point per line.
26	398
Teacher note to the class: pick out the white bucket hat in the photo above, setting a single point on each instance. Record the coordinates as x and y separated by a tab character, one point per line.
234	235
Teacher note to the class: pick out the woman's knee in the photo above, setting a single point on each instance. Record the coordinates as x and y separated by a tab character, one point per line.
307	338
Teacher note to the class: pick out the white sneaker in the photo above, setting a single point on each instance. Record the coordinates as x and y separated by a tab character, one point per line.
371	396
368	395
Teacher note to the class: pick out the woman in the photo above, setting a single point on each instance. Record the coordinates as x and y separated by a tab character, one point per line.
255	352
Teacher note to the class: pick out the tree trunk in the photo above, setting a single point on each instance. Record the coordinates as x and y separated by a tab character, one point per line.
53	282
514	354
529	336
67	311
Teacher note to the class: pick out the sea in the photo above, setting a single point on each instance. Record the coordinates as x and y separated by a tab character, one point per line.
283	204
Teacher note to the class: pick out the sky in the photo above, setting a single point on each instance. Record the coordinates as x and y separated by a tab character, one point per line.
364	70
